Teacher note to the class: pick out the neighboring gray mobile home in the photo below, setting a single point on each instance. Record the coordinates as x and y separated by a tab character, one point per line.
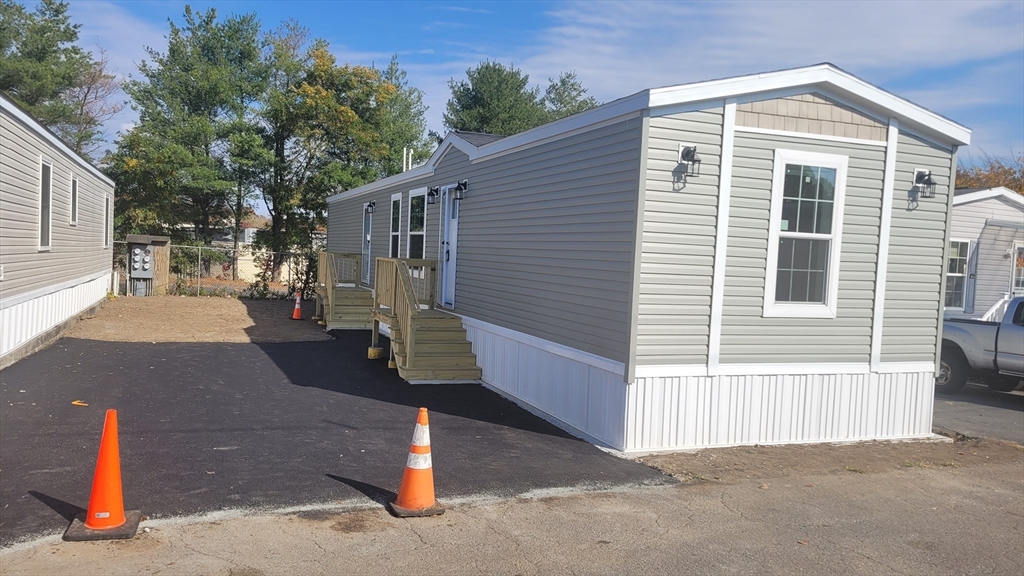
791	291
56	224
986	250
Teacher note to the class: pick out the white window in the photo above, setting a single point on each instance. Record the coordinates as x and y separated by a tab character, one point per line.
396	225
804	238
106	222
956	273
415	243
45	204
73	218
1017	276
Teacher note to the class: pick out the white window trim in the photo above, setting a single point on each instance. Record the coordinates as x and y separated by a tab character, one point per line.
1013	266
39	221
798	309
408	228
967	272
74	199
392	233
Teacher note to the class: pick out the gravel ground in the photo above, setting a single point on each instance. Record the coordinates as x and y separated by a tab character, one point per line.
199	319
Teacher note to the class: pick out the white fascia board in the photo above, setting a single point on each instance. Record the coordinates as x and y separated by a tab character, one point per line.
824	75
33	125
1005	193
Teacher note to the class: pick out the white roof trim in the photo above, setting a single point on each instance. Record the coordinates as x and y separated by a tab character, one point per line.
1001	191
34	125
821	76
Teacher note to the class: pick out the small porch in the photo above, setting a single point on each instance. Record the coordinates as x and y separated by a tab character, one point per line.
427	344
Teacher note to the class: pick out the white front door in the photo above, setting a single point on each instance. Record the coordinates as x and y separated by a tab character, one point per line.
448	247
367	224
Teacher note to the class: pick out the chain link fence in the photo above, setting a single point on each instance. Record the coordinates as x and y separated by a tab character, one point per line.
217	271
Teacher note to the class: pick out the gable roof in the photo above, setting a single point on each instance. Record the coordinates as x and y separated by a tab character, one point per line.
17	112
478	138
829	77
966	195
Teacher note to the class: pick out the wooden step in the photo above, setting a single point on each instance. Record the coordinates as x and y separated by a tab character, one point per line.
438	359
348	325
456	375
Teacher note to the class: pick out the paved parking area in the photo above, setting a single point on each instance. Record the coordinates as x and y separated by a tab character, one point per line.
980	412
206	426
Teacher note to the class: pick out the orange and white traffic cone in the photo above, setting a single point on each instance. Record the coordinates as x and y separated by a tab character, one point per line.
106	518
416	494
297	313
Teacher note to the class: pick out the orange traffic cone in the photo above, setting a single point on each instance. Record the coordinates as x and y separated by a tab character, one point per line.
416	494
106	518
297	313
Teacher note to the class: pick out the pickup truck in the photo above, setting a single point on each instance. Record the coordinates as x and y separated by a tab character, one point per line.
992	352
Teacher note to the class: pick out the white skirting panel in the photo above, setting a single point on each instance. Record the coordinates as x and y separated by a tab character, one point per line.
24	321
583	398
670	413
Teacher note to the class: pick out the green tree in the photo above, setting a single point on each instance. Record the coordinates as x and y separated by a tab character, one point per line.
566	96
57	82
191	100
403	122
495	100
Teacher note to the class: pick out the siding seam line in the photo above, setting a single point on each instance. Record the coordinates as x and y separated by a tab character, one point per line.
888	186
721	236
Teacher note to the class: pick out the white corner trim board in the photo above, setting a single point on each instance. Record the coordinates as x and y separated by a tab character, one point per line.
888	185
721	235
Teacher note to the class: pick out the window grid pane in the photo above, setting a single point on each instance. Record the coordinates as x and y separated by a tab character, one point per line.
808	194
956	274
802	270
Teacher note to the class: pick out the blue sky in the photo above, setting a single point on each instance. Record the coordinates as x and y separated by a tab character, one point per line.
964	60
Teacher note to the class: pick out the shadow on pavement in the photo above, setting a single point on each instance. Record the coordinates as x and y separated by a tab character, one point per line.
985	396
65	509
341	366
379	495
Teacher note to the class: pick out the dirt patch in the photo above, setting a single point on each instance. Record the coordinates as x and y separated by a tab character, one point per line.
757	462
199	319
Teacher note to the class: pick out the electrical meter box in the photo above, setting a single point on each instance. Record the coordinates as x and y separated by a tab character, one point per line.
140	260
147	264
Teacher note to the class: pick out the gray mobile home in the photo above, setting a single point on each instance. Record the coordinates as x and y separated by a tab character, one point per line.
56	221
751	260
986	250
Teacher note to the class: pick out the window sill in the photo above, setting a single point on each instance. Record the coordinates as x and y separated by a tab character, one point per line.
773	310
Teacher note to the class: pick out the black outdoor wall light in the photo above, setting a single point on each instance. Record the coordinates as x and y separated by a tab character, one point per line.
370	206
459	192
432	194
924	183
688	155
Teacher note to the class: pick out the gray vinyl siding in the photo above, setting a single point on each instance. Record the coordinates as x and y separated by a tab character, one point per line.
75	251
677	260
916	245
546	235
992	241
747	337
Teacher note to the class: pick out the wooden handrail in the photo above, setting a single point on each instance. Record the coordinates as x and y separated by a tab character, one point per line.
401	285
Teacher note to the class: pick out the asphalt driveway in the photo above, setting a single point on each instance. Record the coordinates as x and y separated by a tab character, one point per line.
209	426
980	412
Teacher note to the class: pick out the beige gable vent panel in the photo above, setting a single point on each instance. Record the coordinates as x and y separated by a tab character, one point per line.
810	114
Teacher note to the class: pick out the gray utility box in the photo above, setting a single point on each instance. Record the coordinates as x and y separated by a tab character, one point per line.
147	264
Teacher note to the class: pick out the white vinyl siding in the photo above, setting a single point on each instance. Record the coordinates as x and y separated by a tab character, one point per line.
678	241
747	336
75	251
917	242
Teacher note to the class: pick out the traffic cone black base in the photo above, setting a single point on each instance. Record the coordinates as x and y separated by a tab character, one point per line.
79	532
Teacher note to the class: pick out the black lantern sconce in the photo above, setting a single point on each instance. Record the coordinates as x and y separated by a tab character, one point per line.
432	194
370	206
459	192
688	156
924	183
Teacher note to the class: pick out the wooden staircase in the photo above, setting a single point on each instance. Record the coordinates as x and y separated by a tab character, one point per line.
428	345
349	309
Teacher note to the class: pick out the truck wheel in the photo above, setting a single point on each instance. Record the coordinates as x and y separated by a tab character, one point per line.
952	371
1003	383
